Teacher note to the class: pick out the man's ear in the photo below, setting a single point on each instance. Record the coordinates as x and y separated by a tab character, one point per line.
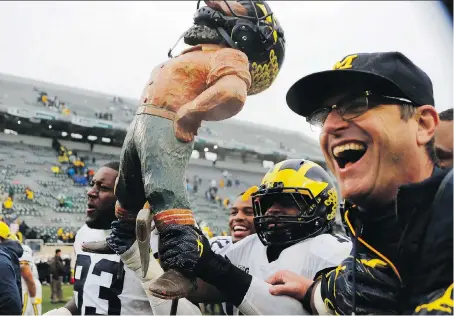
427	119
217	5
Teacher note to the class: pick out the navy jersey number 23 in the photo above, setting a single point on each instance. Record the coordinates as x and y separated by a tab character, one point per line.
109	294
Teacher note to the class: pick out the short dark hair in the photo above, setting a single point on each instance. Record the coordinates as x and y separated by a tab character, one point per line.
406	112
446	115
115	165
57	251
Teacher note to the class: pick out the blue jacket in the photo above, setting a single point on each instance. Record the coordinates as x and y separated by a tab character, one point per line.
10	295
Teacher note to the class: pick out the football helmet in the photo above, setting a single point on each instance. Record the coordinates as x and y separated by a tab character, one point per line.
258	34
294	182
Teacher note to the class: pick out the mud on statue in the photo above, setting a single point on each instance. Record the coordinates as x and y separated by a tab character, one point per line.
237	49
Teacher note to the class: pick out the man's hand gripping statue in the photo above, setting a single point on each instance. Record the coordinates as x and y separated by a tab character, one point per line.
237	50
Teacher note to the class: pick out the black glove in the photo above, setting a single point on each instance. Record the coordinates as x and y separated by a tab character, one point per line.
376	288
183	247
122	237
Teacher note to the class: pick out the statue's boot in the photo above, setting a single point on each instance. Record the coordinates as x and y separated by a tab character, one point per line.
173	284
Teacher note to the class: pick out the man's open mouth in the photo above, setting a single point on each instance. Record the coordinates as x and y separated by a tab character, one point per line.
239	228
90	208
349	153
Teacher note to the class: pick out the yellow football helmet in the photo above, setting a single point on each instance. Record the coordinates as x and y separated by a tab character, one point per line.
5	232
294	182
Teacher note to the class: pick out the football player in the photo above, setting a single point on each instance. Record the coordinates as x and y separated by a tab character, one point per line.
294	211
103	284
31	286
241	225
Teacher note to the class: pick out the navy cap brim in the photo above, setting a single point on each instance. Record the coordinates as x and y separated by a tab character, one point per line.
315	90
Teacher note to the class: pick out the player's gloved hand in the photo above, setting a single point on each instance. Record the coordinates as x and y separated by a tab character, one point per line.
183	247
376	287
131	259
58	312
122	237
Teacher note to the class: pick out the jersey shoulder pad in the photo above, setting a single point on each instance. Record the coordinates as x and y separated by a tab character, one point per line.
27	255
242	248
330	247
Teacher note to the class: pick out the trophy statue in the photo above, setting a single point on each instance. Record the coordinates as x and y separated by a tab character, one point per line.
237	49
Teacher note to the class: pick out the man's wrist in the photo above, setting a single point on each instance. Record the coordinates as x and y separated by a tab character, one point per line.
308	297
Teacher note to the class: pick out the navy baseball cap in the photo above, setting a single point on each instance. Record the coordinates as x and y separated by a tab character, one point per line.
388	73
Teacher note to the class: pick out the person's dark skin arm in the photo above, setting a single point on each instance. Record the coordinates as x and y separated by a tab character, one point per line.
27	275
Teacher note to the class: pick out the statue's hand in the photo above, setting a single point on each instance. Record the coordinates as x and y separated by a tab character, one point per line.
186	124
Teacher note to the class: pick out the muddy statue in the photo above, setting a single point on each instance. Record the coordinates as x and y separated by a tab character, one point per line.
237	49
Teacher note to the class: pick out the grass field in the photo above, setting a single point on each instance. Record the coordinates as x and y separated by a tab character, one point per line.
67	295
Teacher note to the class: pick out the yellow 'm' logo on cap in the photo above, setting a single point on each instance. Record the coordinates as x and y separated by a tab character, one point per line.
345	63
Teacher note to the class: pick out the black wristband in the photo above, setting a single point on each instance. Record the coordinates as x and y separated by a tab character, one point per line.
307	297
226	277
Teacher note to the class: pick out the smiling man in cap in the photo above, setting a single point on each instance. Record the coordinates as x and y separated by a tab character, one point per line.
378	120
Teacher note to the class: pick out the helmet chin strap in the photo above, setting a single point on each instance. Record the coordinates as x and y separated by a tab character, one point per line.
227	38
221	31
169	54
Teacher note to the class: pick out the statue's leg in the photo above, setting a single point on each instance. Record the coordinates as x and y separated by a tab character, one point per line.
164	161
130	199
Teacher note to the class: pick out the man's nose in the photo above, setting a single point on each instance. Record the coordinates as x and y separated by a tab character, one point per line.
92	192
275	209
334	122
239	216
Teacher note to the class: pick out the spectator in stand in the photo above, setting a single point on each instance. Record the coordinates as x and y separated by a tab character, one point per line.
8	204
10	280
444	139
29	194
57	272
188	186
226	202
195	187
11	193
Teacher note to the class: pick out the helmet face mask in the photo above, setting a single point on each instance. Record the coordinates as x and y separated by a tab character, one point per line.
298	212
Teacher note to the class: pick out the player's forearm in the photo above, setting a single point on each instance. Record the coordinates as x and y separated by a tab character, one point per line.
71	306
259	301
226	277
27	275
31	287
316	302
221	101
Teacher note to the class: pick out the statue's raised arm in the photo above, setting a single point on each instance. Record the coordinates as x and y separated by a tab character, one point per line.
237	49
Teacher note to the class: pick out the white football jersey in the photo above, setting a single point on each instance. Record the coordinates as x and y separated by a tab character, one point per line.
304	258
27	257
221	244
103	285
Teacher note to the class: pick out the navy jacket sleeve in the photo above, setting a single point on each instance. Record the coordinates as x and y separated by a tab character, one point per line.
10	298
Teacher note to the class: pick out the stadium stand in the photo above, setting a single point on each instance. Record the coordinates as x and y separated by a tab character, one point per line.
49	191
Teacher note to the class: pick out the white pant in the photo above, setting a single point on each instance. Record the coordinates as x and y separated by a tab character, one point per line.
28	308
